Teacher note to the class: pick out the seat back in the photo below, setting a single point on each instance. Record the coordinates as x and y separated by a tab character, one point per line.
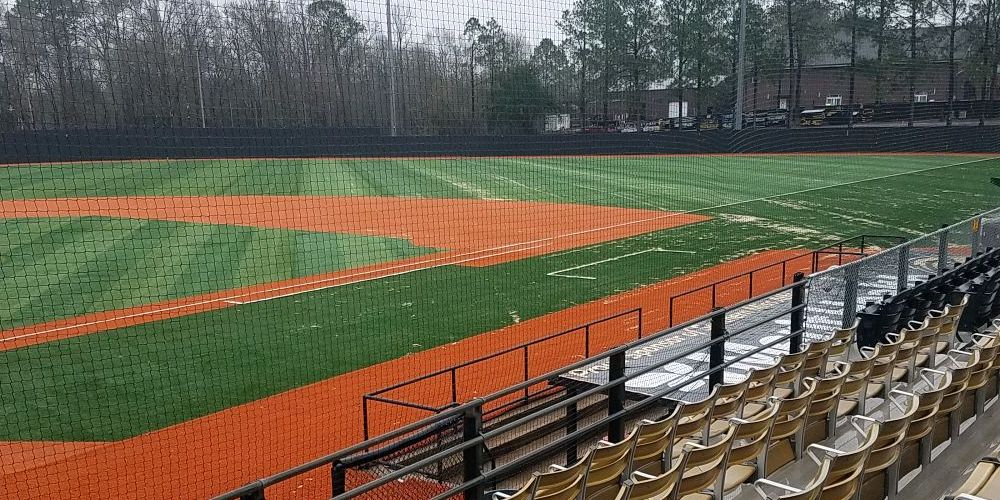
752	437
729	399
892	431
658	488
761	382
845	488
843	339
559	480
790	369
792	412
693	418
654	439
816	355
703	465
609	463
811	491
858	374
527	492
950	325
573	491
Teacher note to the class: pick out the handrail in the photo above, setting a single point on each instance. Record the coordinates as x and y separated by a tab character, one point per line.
258	486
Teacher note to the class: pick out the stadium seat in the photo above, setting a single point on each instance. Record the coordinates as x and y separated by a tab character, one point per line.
609	463
841	347
948	420
947	337
821	418
767	489
643	486
655	440
984	483
703	464
853	393
846	466
748	455
789	428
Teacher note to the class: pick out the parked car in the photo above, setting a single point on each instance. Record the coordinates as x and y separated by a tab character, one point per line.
630	128
651	127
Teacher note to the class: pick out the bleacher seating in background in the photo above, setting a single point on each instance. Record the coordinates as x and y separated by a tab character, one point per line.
845	418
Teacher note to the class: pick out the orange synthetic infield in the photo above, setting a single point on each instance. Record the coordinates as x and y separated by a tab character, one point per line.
510	230
223	450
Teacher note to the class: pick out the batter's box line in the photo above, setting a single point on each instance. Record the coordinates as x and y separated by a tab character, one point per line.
559	273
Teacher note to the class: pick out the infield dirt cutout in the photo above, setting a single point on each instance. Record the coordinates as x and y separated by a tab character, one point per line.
468	232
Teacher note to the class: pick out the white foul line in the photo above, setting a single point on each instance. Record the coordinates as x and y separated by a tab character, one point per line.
559	274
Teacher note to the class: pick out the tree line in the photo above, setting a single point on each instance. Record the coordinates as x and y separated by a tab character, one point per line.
266	63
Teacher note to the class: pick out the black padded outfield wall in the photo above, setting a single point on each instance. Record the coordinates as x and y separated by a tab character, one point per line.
83	145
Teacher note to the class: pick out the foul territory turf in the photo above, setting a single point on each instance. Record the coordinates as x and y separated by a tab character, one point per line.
113	384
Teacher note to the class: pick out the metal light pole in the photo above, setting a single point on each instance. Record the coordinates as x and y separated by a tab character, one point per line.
738	112
391	56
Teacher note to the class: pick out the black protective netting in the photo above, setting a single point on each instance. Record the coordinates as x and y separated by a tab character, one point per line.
238	235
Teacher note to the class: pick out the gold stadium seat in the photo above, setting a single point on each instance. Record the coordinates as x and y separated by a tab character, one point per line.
884	356
917	444
643	486
655	440
984	482
772	490
761	382
789	374
703	463
882	467
609	463
693	417
906	355
846	461
748	455
787	437
560	479
821	419
854	391
947	423
948	335
843	341
816	355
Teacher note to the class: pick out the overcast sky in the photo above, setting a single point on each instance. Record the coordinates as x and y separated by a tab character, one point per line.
531	19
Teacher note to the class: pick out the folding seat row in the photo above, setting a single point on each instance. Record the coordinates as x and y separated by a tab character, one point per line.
832	420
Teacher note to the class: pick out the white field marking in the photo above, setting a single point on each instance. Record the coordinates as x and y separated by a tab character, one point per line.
447	262
619	195
540	241
525	186
559	274
464	186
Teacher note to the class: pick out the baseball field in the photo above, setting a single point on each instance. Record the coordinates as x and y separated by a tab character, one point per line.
143	296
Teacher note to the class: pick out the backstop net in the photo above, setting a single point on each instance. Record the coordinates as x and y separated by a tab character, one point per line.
238	235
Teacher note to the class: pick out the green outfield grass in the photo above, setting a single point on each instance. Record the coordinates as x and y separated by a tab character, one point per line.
128	381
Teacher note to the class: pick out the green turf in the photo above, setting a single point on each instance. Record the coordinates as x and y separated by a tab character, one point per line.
66	267
125	382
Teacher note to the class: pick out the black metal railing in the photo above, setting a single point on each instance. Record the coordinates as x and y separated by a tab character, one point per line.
452	372
476	475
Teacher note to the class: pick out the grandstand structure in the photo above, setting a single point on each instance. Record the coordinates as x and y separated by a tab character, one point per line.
851	383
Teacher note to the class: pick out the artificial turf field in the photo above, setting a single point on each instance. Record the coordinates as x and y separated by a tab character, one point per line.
121	382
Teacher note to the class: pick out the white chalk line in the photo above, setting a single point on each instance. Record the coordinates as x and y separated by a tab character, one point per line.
559	273
543	240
